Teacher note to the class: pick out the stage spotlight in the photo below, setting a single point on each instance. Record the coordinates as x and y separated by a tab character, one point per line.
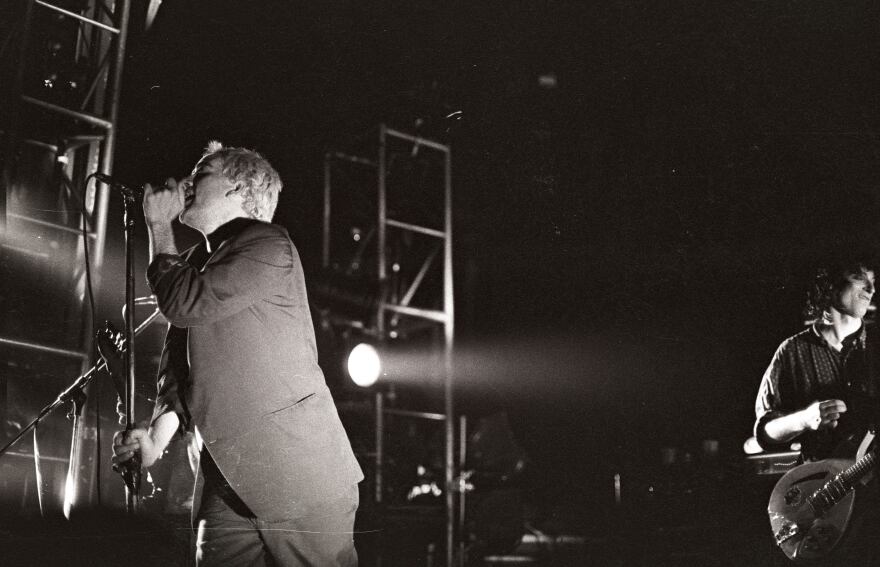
380	363
364	365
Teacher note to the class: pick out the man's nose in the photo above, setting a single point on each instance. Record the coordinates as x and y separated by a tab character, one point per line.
870	288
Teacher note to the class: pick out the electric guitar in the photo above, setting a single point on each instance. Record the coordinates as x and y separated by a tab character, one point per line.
811	505
111	346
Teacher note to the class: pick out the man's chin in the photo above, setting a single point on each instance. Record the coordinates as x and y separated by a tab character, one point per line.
187	219
858	313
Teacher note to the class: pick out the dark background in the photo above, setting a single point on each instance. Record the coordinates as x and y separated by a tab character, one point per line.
631	245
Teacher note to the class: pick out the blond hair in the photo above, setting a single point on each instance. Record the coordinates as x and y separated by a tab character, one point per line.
251	174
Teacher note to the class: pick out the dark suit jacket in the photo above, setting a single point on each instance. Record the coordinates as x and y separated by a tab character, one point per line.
253	389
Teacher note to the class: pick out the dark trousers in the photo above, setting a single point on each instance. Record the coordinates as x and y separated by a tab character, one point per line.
230	536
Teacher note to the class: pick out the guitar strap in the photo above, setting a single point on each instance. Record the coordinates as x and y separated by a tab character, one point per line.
872	380
865	445
870	351
861	380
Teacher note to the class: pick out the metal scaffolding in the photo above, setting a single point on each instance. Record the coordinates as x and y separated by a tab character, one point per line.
412	293
65	59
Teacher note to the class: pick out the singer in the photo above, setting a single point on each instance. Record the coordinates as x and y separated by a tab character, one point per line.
277	480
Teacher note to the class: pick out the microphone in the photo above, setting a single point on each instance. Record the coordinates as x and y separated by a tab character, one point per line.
129	191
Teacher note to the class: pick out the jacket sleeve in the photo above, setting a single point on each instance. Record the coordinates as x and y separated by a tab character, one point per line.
255	267
172	382
168	400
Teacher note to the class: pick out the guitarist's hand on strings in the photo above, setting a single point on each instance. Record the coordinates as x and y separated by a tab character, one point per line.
823	414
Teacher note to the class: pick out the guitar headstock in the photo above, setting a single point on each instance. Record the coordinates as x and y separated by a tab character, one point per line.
110	341
111	347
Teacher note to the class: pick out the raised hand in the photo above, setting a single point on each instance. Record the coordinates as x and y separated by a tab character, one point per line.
163	204
823	414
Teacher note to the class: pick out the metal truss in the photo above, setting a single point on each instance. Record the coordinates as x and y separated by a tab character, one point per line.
62	123
409	241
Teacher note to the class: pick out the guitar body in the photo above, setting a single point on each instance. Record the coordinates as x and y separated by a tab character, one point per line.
799	532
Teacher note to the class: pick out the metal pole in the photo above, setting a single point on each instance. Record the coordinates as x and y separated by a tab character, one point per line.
380	449
131	487
325	239
76	16
380	309
381	232
75	114
462	486
110	141
44	348
449	329
128	315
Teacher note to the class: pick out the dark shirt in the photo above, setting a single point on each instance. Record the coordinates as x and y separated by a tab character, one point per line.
805	369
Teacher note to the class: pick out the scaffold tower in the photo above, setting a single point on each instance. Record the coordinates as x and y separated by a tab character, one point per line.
61	63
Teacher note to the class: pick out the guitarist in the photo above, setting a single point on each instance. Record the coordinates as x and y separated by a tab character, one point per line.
822	386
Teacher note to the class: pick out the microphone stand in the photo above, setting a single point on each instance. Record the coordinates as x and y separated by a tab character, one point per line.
131	469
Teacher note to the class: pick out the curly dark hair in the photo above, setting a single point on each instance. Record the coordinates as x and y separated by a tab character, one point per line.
827	281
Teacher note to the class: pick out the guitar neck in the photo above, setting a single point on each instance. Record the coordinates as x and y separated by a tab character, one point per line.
842	484
861	467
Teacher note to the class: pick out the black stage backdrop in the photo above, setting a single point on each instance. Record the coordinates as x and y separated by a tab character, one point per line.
641	188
